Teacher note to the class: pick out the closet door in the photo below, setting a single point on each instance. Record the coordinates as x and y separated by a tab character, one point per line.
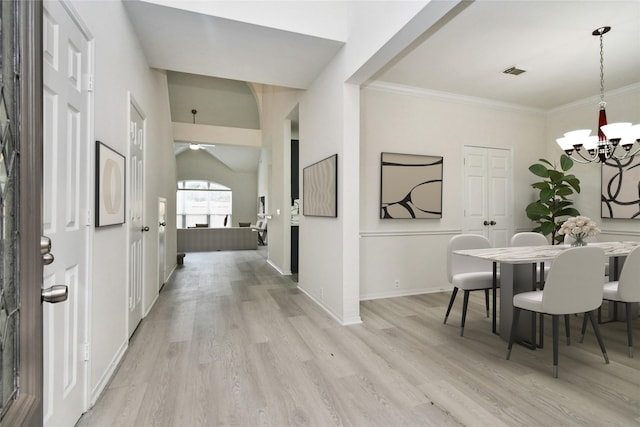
488	194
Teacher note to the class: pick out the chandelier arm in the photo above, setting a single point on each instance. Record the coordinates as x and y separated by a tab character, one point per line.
581	160
627	154
592	157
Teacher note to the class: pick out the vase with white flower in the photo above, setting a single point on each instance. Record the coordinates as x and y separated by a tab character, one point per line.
579	228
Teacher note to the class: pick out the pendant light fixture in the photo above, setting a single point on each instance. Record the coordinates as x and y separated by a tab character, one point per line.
600	148
194	146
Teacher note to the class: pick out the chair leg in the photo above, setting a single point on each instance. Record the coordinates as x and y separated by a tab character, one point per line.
567	328
628	307
514	328
596	329
554	327
453	297
584	326
465	304
486	300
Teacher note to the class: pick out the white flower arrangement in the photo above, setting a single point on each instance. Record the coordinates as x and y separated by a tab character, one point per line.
579	227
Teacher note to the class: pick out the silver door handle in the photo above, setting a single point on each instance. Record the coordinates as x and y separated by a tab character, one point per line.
54	294
47	258
45	245
45	250
145	228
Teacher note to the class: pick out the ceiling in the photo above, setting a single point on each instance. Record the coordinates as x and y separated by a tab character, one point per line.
551	40
464	54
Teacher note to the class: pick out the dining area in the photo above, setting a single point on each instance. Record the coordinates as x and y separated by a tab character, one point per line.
531	280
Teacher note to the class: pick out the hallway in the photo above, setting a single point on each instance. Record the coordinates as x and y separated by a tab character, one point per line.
231	342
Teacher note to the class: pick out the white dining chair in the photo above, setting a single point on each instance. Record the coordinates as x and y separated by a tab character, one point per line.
574	285
591	239
625	290
530	238
468	273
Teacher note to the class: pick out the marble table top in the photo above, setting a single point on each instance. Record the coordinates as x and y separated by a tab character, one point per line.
530	254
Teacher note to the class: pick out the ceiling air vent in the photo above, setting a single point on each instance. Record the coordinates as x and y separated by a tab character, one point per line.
514	71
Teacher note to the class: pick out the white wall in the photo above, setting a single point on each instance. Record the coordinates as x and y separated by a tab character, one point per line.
201	165
275	166
121	69
399	120
329	111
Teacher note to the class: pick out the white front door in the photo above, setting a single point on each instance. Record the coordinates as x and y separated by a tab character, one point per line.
162	231
66	211
136	214
488	194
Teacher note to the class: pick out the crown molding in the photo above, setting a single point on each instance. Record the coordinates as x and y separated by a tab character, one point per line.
594	100
447	96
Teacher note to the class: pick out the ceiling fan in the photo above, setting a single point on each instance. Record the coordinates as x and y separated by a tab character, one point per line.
193	145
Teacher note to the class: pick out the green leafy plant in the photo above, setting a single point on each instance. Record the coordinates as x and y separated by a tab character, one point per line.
553	203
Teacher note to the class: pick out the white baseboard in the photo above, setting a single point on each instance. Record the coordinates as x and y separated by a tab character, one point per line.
102	383
402	293
355	320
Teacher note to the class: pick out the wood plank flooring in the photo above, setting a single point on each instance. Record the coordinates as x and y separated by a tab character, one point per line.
230	342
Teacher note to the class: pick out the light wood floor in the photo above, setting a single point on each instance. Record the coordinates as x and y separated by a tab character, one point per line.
231	342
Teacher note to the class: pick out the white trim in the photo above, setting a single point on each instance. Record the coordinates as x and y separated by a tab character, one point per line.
356	320
102	384
404	293
155	299
394	233
594	100
278	269
447	96
77	20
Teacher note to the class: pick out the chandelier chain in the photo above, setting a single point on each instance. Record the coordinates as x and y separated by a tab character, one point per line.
614	141
601	70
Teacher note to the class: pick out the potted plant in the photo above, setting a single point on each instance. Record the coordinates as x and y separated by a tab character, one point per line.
553	203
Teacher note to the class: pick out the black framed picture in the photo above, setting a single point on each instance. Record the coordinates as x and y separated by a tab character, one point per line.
620	196
410	186
320	188
110	186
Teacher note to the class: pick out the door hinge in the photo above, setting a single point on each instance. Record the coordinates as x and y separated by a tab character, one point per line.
86	352
88	82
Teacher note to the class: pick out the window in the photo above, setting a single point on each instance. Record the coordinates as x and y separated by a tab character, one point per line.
203	202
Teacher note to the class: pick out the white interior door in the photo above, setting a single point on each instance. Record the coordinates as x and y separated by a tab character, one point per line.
66	121
488	194
136	214
162	231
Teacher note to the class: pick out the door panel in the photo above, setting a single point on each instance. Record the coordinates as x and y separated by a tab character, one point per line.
487	194
475	191
65	169
136	215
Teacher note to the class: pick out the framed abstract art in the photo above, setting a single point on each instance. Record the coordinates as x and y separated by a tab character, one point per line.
320	188
410	186
620	196
110	186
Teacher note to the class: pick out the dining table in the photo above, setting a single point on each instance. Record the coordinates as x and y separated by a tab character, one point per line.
520	267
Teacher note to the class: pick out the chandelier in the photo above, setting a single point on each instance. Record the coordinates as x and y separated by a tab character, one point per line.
601	147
